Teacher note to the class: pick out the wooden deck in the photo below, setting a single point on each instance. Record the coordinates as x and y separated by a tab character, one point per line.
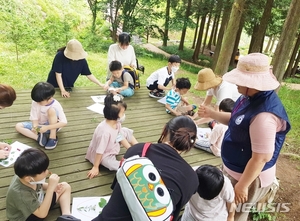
144	115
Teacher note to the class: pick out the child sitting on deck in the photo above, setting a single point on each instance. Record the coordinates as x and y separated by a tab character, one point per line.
175	103
214	200
121	81
212	141
25	198
108	136
46	115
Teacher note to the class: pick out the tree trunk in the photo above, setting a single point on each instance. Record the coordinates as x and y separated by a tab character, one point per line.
199	40
272	45
259	39
225	19
196	31
253	36
231	32
267	49
206	33
209	44
187	15
166	32
237	40
214	41
285	42
296	64
288	71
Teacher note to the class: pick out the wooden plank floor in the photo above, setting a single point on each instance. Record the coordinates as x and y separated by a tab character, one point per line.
144	115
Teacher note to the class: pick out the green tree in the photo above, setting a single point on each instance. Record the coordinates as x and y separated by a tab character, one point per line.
286	40
230	33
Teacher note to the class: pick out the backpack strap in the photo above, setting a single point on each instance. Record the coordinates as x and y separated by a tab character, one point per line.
145	148
122	77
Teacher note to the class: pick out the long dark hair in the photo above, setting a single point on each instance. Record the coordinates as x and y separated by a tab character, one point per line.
181	132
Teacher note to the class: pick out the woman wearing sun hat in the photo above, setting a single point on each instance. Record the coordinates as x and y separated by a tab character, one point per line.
68	64
216	87
256	131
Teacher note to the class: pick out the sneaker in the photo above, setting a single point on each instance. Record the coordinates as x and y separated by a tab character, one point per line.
156	94
42	139
51	144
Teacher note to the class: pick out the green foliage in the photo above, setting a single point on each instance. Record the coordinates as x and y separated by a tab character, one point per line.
187	53
261	215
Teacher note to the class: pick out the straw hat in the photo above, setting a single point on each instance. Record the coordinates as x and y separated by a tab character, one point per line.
207	79
253	71
74	50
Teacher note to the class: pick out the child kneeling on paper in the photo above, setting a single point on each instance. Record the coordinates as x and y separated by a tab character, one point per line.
213	140
175	103
47	117
120	82
25	198
108	136
214	200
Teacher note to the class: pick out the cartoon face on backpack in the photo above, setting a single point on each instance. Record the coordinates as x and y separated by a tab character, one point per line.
149	188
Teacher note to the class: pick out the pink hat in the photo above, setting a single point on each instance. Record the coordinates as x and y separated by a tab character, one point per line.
253	71
74	50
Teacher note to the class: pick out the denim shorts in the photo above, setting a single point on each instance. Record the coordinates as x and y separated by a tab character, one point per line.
28	125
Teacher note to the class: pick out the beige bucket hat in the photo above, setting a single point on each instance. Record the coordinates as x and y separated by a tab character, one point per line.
207	79
74	50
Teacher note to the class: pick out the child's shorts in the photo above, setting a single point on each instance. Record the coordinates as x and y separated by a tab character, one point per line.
28	125
33	217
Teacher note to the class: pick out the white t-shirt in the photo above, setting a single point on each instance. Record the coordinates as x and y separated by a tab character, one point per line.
211	210
160	76
40	114
126	57
224	90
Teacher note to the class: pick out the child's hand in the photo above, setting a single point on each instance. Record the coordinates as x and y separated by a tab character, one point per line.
43	129
53	181
93	172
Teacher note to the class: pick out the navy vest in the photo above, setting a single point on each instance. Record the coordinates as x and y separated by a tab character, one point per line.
236	146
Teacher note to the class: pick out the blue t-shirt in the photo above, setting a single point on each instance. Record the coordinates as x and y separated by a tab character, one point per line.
69	69
173	98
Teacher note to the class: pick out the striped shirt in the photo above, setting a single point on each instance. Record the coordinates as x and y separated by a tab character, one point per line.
173	98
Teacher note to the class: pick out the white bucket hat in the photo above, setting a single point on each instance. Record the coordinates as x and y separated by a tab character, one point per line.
253	71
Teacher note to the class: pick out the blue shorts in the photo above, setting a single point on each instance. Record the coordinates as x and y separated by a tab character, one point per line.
28	125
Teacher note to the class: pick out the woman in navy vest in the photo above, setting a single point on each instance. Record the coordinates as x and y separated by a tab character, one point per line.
257	127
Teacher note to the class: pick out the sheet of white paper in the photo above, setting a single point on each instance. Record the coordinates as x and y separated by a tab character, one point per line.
98	99
87	208
16	149
98	108
202	133
162	100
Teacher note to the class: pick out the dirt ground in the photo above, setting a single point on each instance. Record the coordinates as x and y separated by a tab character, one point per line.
288	172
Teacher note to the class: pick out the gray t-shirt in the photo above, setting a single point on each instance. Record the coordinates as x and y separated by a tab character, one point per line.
126	77
21	200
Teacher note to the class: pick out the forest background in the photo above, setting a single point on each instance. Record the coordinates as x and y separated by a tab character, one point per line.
32	31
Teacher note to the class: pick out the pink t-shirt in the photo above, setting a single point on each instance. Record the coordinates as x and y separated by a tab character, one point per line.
216	137
106	140
263	130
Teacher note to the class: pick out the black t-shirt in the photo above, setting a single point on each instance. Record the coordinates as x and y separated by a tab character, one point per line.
69	69
178	176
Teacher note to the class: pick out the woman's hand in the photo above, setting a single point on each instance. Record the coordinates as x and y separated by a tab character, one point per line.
241	193
4	154
65	94
204	111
